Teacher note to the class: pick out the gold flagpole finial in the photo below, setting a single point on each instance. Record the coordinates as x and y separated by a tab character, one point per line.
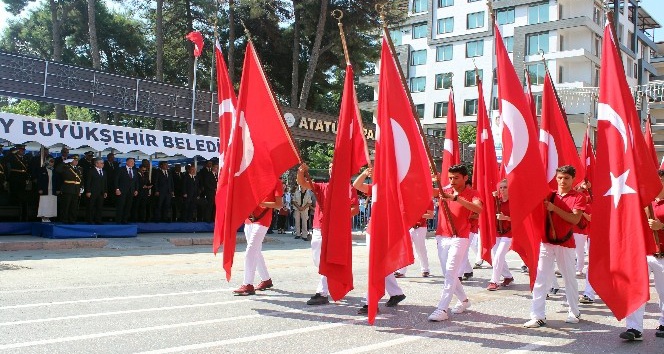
380	8
489	5
338	15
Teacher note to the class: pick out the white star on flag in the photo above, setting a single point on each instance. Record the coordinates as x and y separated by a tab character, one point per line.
619	187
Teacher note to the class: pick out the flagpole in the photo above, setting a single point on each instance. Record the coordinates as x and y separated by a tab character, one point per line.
272	95
193	97
338	15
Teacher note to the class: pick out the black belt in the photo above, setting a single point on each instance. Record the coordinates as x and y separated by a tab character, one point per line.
658	255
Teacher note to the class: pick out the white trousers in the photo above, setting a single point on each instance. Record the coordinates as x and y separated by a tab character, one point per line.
392	288
301	219
419	238
589	291
316	244
498	253
580	240
635	320
451	251
564	256
474	244
253	256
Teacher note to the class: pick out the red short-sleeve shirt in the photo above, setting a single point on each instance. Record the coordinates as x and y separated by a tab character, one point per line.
266	220
505	225
423	221
460	214
658	208
569	202
320	191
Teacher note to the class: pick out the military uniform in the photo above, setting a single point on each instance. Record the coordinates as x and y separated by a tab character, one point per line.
19	180
70	191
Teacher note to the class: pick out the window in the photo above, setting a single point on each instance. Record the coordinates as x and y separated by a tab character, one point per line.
538	104
598	14
444	52
443	81
475	20
538	13
440	109
537	41
621	29
418	57
470	107
418	84
597	46
536	72
419	30
494	104
445	25
445	3
419	108
419	6
509	43
471	79
396	36
475	48
505	16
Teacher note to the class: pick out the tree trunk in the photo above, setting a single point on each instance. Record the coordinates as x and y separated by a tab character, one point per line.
231	40
60	112
159	34
94	47
315	53
295	81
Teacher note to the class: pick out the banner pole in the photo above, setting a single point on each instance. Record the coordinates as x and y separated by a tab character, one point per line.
193	97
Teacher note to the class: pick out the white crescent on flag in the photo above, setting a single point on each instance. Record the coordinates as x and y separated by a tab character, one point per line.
606	113
401	149
552	153
447	145
513	120
247	146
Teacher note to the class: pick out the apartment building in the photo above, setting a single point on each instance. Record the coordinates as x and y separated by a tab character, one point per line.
442	41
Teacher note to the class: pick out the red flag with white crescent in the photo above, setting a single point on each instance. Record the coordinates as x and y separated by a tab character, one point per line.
402	189
588	156
625	182
260	151
196	38
557	146
650	143
521	162
451	154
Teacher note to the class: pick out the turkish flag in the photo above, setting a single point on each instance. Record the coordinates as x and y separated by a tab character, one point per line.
260	151
625	182
523	166
402	188
529	97
350	154
649	140
226	99
588	156
557	146
196	38
661	165
451	154
485	176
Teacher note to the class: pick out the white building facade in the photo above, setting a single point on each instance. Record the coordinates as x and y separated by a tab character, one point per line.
442	41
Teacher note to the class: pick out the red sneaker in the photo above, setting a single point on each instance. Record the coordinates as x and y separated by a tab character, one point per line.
492	287
264	285
245	290
507	282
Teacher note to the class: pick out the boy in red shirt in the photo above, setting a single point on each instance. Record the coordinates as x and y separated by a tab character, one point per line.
452	238
565	207
255	228
503	240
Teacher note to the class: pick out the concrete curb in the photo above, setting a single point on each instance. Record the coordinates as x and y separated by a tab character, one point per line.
202	241
52	244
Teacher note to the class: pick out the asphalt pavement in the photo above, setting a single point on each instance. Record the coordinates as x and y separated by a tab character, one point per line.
148	295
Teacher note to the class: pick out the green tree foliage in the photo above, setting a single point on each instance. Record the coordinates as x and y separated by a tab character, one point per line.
467	133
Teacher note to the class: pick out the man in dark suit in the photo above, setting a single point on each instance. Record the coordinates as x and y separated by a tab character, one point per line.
64	155
163	191
190	194
126	188
209	186
178	175
142	201
70	190
96	188
110	169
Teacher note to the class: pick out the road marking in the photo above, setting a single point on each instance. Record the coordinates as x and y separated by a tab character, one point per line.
528	348
166	308
257	337
147	296
178	325
407	338
77	287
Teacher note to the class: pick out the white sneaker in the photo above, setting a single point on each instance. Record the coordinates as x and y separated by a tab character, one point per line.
573	319
580	275
535	323
46	220
461	306
438	315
